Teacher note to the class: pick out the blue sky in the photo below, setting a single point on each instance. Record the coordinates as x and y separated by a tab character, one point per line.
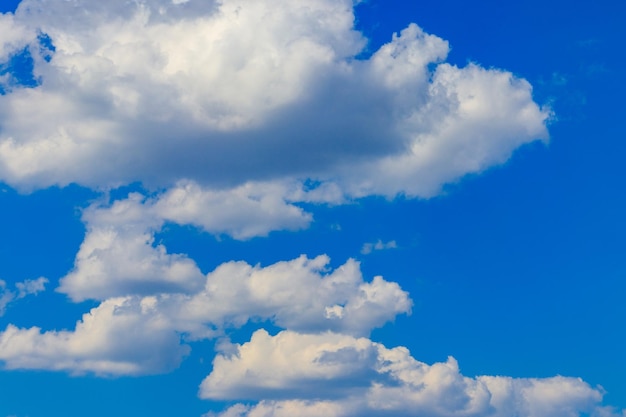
199	199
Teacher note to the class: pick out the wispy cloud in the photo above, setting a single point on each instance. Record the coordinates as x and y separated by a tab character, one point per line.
23	289
378	245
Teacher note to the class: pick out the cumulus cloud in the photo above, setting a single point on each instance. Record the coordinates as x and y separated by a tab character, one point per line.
119	255
236	111
302	375
300	294
260	91
135	334
25	288
122	336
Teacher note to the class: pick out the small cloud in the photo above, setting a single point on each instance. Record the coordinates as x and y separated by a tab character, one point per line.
31	286
379	245
28	287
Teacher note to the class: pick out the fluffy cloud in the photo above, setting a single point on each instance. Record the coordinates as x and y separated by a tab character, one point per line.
260	92
301	375
122	336
134	335
299	294
119	255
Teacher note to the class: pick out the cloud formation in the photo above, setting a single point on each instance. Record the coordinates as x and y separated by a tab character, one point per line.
232	113
304	375
119	255
258	92
133	334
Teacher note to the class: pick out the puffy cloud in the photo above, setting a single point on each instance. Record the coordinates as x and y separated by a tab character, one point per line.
260	91
292	365
298	375
473	118
135	335
25	288
252	209
119	255
122	336
300	294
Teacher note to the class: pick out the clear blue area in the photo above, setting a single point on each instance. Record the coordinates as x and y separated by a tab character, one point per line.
519	271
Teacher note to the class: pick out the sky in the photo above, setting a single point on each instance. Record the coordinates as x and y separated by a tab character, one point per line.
306	208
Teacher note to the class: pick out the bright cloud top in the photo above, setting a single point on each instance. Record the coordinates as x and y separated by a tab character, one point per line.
233	91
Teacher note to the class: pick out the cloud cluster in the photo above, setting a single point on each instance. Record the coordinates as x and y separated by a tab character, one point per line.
233	91
134	334
336	375
119	255
233	113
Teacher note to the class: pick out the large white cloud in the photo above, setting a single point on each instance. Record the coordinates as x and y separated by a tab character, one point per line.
303	375
119	255
122	336
300	294
233	91
135	334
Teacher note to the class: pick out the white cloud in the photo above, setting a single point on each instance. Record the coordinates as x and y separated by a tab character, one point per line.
15	37
31	286
378	245
25	288
122	336
473	118
260	92
135	335
252	209
300	294
119	255
300	375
